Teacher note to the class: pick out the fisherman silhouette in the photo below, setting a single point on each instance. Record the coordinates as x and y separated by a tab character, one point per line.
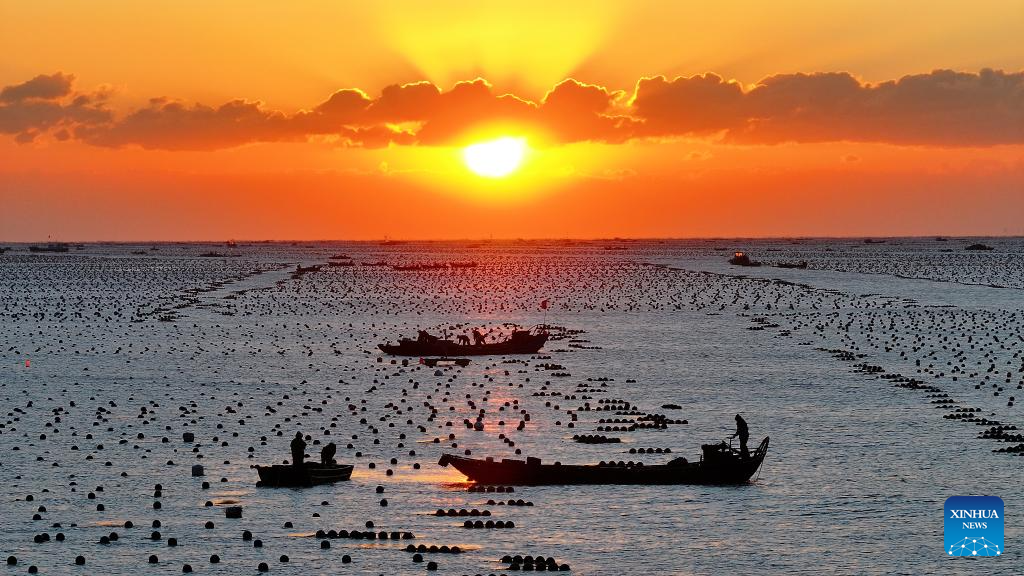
298	449
463	340
478	338
327	453
744	434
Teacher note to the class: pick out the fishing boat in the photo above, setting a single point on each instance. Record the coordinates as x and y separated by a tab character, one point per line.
741	259
719	464
520	342
50	247
308	474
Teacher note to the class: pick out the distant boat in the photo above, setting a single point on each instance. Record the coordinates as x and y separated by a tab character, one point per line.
340	257
50	247
979	247
801	265
741	259
231	244
719	464
520	342
308	474
432	266
341	263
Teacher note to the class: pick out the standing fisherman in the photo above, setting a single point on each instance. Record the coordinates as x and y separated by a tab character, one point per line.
743	433
298	449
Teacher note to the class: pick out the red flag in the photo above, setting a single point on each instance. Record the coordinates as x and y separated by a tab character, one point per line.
544	304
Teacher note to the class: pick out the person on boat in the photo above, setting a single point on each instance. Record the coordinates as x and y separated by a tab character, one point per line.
463	340
743	433
425	337
327	453
298	449
478	338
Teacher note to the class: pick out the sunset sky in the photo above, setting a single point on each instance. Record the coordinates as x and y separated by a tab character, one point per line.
126	120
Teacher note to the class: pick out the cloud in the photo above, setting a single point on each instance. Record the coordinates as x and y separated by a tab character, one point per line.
42	87
47	102
940	108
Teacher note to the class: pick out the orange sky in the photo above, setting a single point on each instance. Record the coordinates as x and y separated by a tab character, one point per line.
257	120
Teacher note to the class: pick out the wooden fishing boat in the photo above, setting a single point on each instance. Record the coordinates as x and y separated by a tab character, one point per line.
309	474
719	464
520	342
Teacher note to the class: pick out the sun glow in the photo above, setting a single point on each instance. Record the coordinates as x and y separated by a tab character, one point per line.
496	158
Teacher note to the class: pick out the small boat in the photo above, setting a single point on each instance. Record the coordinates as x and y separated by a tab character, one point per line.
335	263
801	265
300	269
309	474
50	247
741	259
520	342
719	464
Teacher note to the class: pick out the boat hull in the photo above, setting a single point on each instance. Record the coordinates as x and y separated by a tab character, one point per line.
310	474
526	344
728	469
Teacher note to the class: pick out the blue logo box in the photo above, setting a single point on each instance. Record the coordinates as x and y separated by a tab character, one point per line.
974	526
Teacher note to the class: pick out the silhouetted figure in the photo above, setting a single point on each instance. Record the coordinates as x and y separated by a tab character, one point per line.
298	449
478	338
743	433
327	453
463	340
425	337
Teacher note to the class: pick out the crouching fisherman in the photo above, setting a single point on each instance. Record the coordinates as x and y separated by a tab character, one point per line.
327	454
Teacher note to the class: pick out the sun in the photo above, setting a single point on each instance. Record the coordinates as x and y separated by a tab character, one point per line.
496	158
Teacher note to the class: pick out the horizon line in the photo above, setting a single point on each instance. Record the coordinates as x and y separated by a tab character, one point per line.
514	239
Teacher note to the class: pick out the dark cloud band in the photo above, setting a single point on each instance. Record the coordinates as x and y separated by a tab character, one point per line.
941	108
